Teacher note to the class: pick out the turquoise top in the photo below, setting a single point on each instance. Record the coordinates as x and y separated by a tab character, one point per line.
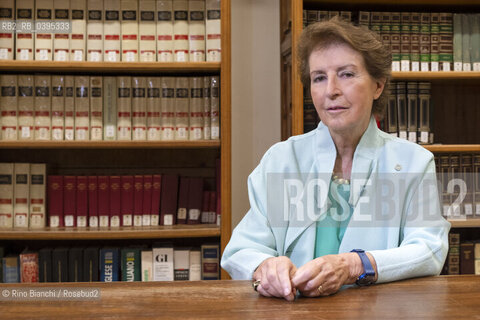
331	226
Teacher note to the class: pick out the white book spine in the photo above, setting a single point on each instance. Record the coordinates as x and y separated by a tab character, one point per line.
43	103
95	31
124	108
165	30
181	263
43	41
111	30
196	108
196	30
182	108
162	264
213	31
129	30
96	108
147	30
168	108
7	9
82	108
147	265
58	107
6	195
61	41
24	40
79	30
69	108
8	106
26	105
180	30
215	107
139	108
206	109
37	195
110	108
154	121
21	192
195	265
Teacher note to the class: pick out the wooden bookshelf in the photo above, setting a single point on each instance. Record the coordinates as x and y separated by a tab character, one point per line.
453	148
201	144
468	223
435	76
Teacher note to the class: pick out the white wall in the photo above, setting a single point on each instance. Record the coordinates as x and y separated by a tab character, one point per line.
255	91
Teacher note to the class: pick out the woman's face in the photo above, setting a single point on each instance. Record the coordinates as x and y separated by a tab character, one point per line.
342	90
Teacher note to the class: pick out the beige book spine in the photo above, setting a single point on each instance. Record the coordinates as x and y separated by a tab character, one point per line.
24	42
26	103
79	30
111	30
147	30
213	31
58	107
165	30
207	135
196	30
8	106
168	108
110	108
95	31
7	8
154	109
43	41
196	108
96	108
43	105
182	108
61	41
124	108
69	108
180	30
215	107
6	195
139	108
37	195
82	108
21	193
129	24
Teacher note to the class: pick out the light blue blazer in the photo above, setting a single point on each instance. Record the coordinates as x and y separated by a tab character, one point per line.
404	231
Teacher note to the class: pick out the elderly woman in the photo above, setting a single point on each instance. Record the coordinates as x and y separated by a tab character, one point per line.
371	201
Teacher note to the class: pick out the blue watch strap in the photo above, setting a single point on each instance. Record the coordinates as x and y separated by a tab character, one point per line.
368	272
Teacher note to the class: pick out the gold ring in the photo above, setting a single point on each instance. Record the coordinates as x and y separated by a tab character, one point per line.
255	284
320	289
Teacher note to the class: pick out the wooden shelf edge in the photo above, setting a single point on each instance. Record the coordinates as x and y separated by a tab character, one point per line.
159	232
109	144
468	223
446	148
392	3
428	76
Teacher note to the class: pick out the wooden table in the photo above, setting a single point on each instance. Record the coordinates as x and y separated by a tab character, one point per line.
442	297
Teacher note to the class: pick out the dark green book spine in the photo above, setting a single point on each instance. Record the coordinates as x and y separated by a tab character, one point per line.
75	265
60	265
425	41
131	264
90	264
45	265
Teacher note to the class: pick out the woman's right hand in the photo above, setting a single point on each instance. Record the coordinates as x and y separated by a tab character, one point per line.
275	276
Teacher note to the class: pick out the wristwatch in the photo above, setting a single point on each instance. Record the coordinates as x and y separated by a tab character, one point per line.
368	275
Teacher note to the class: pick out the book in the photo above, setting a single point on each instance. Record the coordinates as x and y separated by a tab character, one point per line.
111	30
82	108
215	107
434	41
182	209
465	36
169	196
210	261
147	265
103	201
156	194
476	175
138	201
109	264
21	195
165	30
69	108
61	40
214	215
26	107
195	196
402	109
454	253
96	108
24	41
60	264
392	125
58	107
154	109
168	108
55	201
364	18
446	41
79	30
42	107
385	28
131	264
425	41
139	108
405	41
207	135
90	264
424	112
395	40
115	200
182	108
109	108
467	258
129	30
213	31
412	110
181	260
475	41
218	194
147	200
466	174
195	267
127	196
147	30
415	40
8	106
69	200
124	108
180	31
196	30
37	195
205	215
28	267
82	201
2	254
11	269
163	263
75	264
477	257
196	108
93	201
458	41
95	30
43	41
45	265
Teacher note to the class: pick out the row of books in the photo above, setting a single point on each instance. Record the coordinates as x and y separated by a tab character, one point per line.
111	30
102	201
459	182
419	41
463	256
67	107
108	264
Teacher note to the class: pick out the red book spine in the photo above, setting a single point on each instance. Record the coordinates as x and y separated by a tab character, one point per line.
213	207
195	196
168	209
104	200
82	201
205	207
55	201
69	200
183	200
115	198
29	267
147	200
93	201
138	201
156	193
219	188
127	195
